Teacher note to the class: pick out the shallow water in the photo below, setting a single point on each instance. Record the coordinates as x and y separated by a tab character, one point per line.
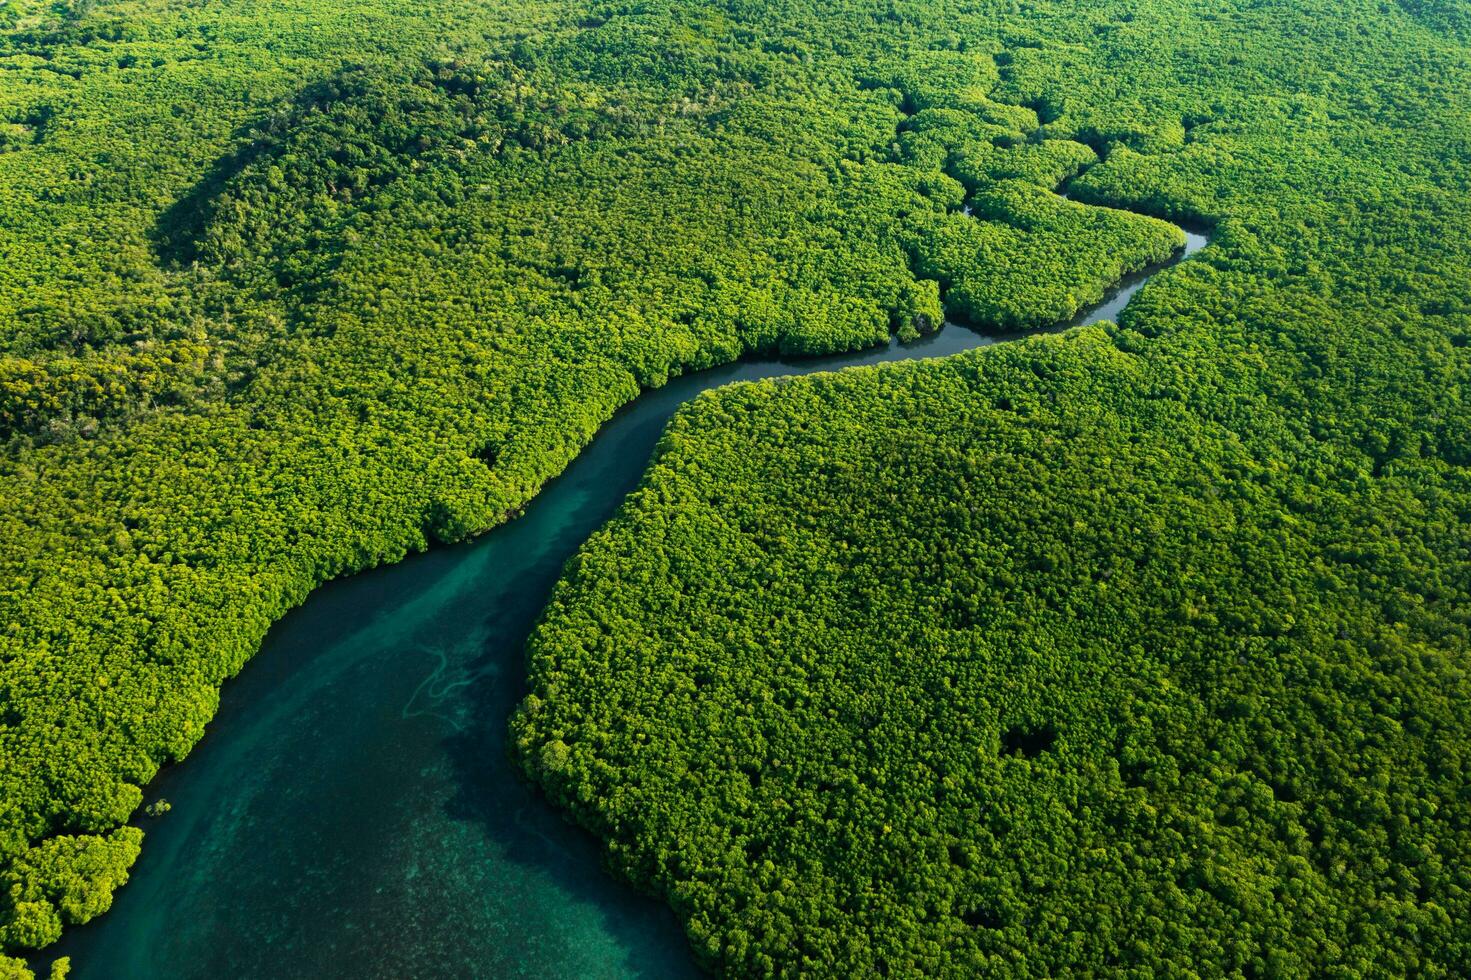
352	812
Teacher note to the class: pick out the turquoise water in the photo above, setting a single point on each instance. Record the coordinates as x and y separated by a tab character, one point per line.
352	812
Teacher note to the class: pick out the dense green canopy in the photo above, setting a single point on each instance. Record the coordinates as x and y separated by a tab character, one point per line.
1141	650
289	289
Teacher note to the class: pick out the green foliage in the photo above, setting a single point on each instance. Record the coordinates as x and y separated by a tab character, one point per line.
380	310
1025	230
56	397
15	969
291	290
962	666
63	880
1138	650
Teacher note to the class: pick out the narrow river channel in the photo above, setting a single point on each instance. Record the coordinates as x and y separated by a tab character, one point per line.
352	813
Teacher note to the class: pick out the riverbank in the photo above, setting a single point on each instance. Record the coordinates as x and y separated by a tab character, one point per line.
352	810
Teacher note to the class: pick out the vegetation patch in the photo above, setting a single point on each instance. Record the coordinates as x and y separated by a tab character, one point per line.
290	290
1136	650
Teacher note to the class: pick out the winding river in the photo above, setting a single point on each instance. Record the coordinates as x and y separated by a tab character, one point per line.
352	813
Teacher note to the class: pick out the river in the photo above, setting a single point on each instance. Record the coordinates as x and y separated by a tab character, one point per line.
352	812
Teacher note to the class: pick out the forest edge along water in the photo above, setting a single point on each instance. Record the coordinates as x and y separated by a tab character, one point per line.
353	811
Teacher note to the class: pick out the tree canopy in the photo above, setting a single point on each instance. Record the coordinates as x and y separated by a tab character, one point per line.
289	290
